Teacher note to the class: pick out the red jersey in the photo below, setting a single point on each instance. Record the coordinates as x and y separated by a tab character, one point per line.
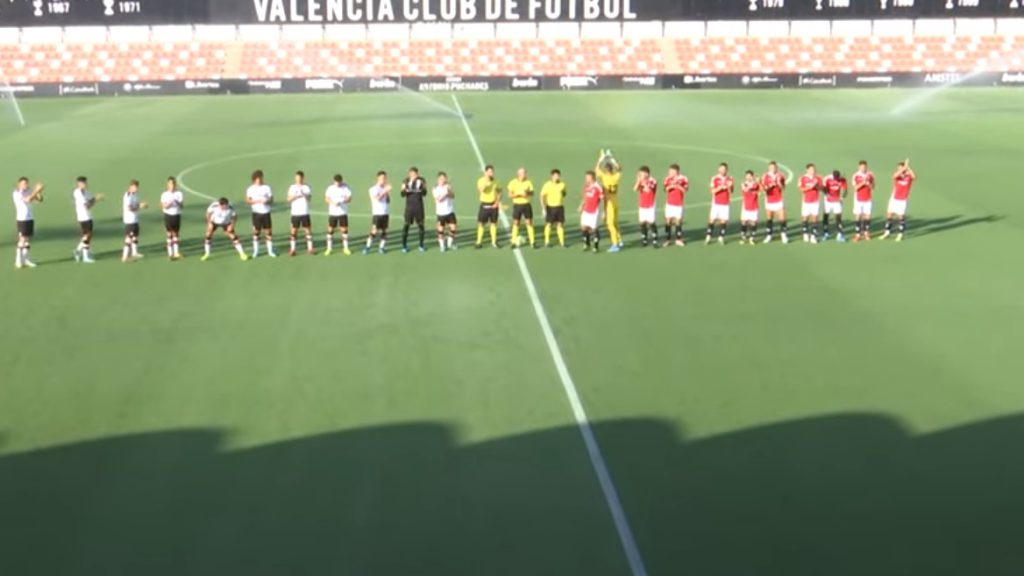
901	186
675	190
811	187
722	196
647	189
834	188
863	182
772	184
592	198
750	190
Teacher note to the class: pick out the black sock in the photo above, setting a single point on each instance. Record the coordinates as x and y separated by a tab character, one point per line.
839	224
903	225
771	226
804	224
888	225
743	231
679	231
785	226
824	223
423	235
721	230
668	232
643	231
753	231
711	230
586	238
597	239
405	236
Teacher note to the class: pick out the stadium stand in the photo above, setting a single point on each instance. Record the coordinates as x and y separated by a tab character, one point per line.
257	52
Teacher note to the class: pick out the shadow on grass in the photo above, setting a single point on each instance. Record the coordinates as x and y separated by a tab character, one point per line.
840	495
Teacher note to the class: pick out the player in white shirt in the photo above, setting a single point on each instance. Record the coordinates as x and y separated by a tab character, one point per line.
23	198
130	206
298	197
380	198
337	196
221	215
171	203
259	197
84	201
444	207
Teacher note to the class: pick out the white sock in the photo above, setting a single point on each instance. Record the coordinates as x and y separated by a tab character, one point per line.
175	244
170	247
270	246
440	242
383	241
85	252
451	240
238	248
255	245
206	247
19	256
291	244
344	240
330	241
309	242
369	242
135	247
126	251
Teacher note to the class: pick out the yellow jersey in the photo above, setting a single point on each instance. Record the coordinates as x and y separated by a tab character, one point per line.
609	181
521	191
553	194
488	190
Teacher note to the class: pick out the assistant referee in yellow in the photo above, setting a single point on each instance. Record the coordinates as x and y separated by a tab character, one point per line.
520	190
609	174
490	195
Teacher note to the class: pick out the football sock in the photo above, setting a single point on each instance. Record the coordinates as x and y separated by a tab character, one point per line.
423	234
888	225
561	236
743	231
255	244
586	238
597	239
753	231
451	238
369	241
126	251
531	234
238	247
806	227
309	241
824	223
668	232
479	233
643	231
711	230
175	243
903	225
839	224
440	239
270	245
206	247
679	231
405	236
291	243
330	240
170	247
135	246
721	230
344	240
771	226
547	234
515	233
784	227
494	233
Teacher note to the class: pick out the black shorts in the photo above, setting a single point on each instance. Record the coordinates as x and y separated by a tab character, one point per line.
338	221
26	228
447	220
522	212
301	221
172	222
381	222
555	215
488	214
131	230
86	226
261	222
414	216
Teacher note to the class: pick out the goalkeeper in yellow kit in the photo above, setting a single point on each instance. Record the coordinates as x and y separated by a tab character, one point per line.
609	174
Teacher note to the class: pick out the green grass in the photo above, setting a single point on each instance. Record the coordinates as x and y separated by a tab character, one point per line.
791	410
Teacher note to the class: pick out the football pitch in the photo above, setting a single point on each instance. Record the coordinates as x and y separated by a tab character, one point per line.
839	409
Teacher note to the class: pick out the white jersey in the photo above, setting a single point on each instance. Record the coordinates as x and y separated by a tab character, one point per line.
443	204
338	197
301	194
22	209
260	192
171	202
130	208
82	200
220	215
378	207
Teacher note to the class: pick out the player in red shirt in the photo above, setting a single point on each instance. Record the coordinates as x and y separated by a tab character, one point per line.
774	184
810	186
748	217
647	189
863	186
835	192
721	192
902	180
676	186
590	208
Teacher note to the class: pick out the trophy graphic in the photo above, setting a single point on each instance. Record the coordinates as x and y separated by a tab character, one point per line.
108	7
37	8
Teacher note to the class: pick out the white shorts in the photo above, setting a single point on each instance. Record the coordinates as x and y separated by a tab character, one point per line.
719	212
748	216
588	220
673	212
808	209
773	207
833	207
861	208
647	215
897	207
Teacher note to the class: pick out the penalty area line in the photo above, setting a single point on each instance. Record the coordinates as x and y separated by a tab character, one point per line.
597	461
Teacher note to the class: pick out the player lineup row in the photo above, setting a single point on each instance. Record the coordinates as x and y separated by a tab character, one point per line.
600	194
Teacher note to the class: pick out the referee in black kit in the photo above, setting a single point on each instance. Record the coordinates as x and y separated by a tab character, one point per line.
414	188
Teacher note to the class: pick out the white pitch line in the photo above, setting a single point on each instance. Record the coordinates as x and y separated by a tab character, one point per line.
604	478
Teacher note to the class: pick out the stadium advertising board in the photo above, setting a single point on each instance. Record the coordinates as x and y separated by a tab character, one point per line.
517	83
123	12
